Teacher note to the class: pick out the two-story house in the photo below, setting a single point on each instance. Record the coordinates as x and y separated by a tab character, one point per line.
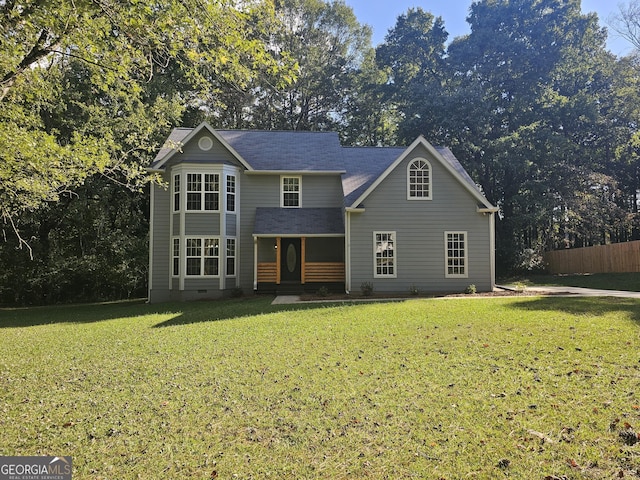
285	211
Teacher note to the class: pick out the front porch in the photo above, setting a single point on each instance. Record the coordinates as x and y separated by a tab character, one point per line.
289	265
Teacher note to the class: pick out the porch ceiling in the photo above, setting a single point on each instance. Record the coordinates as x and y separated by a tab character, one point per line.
298	221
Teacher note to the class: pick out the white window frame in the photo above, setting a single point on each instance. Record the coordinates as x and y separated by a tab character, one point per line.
202	191
428	184
177	201
450	255
230	187
201	255
393	257
175	256
230	255
283	192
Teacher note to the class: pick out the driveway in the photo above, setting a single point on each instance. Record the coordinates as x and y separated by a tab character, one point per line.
577	291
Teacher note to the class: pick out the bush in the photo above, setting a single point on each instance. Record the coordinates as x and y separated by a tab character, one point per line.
413	290
323	292
470	290
366	288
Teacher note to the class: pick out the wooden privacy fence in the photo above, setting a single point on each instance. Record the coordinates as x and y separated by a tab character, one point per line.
614	258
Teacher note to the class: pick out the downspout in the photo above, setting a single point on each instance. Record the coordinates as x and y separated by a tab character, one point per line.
151	215
347	252
255	263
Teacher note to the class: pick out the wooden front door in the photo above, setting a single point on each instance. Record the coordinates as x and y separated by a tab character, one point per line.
290	260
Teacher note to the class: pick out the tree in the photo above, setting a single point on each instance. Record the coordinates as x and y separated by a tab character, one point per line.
329	45
122	46
413	57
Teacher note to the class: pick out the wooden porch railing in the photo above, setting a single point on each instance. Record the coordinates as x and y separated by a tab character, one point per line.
324	272
314	272
267	272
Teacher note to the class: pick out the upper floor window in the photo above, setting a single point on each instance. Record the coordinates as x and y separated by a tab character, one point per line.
203	191
231	193
176	193
290	191
419	180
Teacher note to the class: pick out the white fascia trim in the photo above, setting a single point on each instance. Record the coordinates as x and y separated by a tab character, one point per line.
299	235
487	210
355	210
422	141
217	136
295	172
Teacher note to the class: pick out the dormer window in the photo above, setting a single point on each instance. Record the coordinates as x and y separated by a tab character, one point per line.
290	191
419	180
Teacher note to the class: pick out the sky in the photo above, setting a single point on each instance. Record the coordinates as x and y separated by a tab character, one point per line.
381	15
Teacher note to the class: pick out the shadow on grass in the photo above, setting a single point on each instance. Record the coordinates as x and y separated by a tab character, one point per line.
181	313
582	305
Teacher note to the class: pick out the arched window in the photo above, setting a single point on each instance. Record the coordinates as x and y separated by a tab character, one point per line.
419	180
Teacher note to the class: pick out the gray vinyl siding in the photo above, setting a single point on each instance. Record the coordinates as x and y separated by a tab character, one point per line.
201	224
419	226
192	153
161	248
230	224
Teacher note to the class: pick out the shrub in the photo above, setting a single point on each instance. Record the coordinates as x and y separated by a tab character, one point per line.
470	290
322	292
366	288
413	290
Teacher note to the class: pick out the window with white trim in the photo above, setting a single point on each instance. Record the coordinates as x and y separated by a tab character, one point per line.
231	257
203	192
419	180
176	257
384	254
203	256
176	193
290	191
231	193
455	244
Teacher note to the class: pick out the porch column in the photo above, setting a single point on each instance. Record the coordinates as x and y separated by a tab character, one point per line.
255	263
303	259
278	254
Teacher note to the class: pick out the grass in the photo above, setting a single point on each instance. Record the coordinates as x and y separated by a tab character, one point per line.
520	387
604	281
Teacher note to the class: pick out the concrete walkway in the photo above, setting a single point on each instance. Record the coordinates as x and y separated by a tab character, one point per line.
547	290
575	291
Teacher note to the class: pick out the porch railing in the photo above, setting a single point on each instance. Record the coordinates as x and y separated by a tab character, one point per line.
312	272
323	272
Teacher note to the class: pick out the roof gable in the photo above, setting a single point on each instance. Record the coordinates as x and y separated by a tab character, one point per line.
368	178
181	136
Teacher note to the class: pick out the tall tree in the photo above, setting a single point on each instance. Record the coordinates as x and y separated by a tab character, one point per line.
413	57
123	45
329	46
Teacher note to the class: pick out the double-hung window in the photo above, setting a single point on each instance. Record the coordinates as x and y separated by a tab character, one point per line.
203	191
231	257
384	254
419	180
290	191
176	257
456	247
203	256
176	193
231	193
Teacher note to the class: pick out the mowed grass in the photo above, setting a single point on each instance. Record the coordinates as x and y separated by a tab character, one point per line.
519	387
604	281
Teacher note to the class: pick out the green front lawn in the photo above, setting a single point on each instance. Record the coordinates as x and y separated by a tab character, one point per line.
521	387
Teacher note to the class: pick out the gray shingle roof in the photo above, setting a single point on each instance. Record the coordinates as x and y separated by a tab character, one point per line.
364	165
274	150
298	221
293	151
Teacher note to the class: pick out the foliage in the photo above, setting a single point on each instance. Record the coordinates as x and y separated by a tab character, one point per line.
383	390
366	288
470	290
